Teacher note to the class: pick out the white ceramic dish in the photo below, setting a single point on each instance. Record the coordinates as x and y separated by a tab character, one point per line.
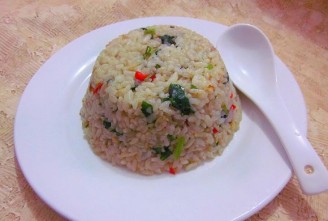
64	172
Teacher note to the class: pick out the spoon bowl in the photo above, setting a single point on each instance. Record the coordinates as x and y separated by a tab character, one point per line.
248	49
249	59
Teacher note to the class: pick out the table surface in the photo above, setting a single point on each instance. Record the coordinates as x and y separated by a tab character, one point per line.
32	31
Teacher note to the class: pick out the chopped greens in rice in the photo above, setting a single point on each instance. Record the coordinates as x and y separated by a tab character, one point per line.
160	100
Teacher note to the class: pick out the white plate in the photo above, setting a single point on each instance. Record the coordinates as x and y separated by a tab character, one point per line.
64	172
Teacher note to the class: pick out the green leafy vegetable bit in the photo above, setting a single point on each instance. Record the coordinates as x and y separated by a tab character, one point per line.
224	108
179	147
149	51
225	111
157	150
167	152
165	99
168	39
150	31
107	124
170	137
163	153
193	87
179	100
146	108
157	66
134	88
210	66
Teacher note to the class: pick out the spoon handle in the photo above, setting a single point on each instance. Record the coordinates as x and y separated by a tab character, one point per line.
311	172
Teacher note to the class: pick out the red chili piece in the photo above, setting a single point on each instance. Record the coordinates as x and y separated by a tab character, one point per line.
232	107
97	88
140	76
187	122
172	171
231	95
215	131
153	77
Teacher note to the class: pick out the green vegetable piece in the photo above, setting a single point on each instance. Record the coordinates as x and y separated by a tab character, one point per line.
165	99
150	31
193	87
157	150
170	137
157	66
163	153
107	124
134	88
149	51
168	39
225	109
179	100
210	66
178	147
166	153
146	108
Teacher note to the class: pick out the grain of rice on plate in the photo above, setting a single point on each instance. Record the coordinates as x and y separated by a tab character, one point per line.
160	100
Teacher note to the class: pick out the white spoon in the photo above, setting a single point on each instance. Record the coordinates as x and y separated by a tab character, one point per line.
249	59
